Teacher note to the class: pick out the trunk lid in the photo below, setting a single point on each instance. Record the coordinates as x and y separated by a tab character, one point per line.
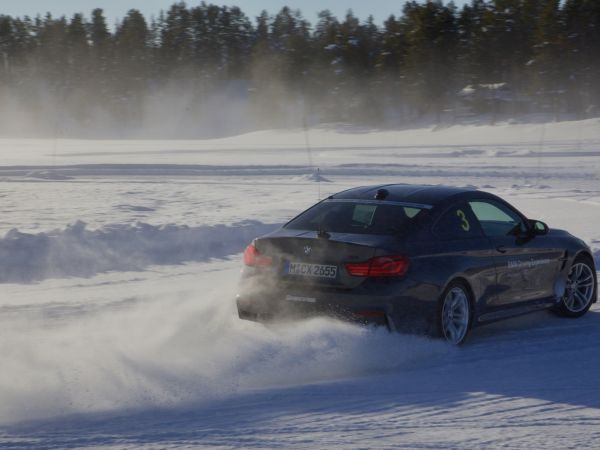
304	257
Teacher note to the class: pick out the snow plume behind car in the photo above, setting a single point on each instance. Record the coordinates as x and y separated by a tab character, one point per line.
169	347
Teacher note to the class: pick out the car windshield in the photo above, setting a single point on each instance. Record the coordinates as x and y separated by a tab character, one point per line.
357	217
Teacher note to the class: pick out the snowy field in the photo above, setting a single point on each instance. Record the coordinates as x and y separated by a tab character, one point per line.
118	269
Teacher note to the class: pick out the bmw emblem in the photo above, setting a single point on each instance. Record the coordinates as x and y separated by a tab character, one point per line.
307	249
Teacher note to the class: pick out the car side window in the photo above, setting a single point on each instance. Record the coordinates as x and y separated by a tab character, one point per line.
496	219
458	222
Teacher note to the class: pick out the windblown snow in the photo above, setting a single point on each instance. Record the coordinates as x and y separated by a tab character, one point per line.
118	269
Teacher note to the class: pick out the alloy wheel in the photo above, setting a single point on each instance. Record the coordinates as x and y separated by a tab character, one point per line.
455	315
580	288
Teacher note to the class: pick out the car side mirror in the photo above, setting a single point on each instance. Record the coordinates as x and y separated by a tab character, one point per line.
520	230
538	228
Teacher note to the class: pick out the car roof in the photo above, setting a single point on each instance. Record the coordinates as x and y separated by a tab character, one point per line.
410	193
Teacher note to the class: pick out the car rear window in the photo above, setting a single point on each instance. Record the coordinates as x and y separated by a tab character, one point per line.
357	217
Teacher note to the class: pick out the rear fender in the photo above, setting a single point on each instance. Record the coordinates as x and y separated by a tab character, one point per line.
472	298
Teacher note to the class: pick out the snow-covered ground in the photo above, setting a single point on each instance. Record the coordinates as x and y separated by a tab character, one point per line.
118	267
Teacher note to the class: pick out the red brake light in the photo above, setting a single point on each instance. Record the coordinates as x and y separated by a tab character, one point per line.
380	266
252	257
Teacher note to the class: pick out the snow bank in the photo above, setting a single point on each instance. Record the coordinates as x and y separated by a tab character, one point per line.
77	251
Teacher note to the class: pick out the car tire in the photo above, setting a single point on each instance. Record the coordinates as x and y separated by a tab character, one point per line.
581	290
455	313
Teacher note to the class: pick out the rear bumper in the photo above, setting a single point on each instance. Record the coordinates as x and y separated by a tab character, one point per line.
402	313
260	312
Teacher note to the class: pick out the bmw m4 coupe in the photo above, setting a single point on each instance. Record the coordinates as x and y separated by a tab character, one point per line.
432	259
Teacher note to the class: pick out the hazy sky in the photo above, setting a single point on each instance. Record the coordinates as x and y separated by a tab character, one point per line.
114	9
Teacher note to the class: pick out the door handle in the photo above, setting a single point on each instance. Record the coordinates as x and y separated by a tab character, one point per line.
501	249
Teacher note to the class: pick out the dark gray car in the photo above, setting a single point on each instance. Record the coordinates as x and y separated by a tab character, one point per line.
432	259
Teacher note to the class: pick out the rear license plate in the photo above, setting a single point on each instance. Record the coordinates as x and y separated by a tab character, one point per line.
311	270
297	298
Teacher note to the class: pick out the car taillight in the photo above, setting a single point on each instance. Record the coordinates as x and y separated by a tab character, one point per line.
252	257
380	266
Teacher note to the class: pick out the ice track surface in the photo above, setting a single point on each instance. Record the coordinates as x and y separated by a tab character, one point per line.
118	327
